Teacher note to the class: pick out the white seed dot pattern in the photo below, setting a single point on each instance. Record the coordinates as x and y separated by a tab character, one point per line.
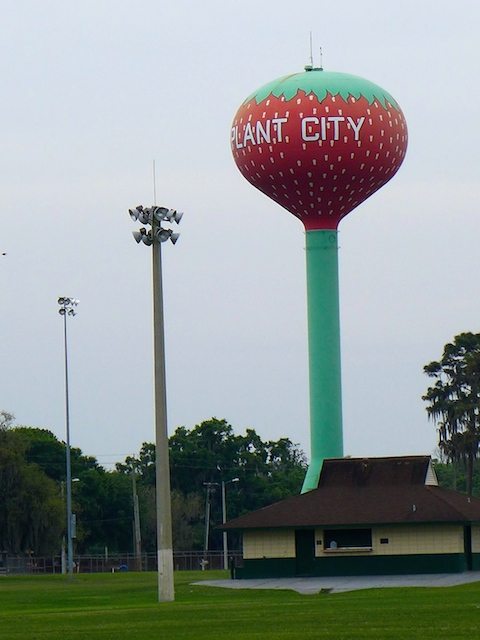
316	186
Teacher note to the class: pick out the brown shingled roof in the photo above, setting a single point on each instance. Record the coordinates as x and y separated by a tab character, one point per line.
356	491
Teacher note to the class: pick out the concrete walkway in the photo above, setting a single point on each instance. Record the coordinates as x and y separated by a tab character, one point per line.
347	583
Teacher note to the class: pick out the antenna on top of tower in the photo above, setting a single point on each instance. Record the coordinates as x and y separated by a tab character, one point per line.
310	67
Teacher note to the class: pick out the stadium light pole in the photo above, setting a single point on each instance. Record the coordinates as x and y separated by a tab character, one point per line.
224	519
67	308
154	237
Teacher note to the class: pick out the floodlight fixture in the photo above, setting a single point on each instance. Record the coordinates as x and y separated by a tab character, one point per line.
147	238
160	213
169	215
145	216
155	216
163	234
134	213
66	305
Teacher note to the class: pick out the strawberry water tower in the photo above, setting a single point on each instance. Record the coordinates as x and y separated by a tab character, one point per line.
319	143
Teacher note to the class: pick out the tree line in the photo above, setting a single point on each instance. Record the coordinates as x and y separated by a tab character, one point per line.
32	487
32	472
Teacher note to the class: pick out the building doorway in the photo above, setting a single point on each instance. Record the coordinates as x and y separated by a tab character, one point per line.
304	551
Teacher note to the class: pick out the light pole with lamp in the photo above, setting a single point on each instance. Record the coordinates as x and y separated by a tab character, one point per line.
67	308
224	519
154	217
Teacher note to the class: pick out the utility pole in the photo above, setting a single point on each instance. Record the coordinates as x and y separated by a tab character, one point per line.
209	487
137	539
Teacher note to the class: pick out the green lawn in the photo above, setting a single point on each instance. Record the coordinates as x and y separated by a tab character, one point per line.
123	606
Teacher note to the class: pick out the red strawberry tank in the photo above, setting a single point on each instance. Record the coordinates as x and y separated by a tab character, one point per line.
319	143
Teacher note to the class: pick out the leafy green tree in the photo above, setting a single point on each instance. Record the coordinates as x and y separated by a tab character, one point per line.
31	515
32	477
454	401
211	453
101	500
187	524
454	477
103	504
44	449
144	464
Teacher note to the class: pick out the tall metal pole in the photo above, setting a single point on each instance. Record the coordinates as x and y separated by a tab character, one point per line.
63	552
224	519
207	522
155	216
164	519
68	460
324	352
137	538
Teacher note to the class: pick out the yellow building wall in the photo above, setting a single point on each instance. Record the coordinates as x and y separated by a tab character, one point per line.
269	543
402	540
475	539
408	540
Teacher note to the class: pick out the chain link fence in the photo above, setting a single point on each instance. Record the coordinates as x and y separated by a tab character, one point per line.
182	561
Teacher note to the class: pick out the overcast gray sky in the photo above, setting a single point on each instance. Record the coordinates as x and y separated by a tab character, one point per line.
93	91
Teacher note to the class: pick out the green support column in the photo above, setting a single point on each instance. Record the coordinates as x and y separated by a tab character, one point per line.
324	352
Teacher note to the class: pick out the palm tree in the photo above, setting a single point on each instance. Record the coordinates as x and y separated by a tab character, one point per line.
454	400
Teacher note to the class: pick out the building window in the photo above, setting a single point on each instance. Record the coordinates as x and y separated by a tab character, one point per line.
345	538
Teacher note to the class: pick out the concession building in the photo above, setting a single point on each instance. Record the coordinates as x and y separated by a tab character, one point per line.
367	516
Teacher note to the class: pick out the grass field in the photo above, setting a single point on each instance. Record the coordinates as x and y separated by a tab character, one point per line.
123	606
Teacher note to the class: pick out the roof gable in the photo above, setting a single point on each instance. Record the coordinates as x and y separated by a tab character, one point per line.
364	472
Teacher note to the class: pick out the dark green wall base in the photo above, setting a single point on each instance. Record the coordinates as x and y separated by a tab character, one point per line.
267	568
476	561
358	566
